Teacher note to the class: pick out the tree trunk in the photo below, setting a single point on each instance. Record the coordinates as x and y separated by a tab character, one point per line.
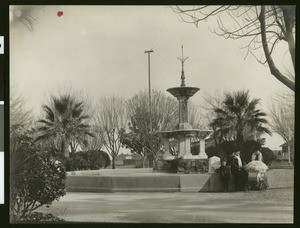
240	140
289	20
215	136
64	146
150	159
113	163
73	147
144	161
155	162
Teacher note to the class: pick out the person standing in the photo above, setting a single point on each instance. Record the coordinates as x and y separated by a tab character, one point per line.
240	175
257	156
224	172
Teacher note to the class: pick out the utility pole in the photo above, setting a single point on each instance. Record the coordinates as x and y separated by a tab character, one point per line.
150	112
149	82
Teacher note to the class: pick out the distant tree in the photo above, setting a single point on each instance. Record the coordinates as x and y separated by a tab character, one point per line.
93	143
65	121
18	114
164	115
264	27
282	114
111	121
211	102
239	119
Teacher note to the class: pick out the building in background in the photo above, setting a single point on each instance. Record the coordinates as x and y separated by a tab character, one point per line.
285	150
133	160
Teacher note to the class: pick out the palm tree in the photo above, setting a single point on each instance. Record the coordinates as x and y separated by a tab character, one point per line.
64	122
238	119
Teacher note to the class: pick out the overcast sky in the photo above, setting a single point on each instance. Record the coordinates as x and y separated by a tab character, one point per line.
100	50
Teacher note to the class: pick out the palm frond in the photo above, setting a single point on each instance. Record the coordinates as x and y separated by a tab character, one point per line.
90	134
83	125
264	130
43	128
44	136
220	111
84	117
253	103
45	122
241	99
49	113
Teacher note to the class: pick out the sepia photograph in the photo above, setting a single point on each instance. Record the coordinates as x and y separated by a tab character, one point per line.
151	114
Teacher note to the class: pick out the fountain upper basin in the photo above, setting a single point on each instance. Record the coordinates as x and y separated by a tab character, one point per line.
185	133
183	91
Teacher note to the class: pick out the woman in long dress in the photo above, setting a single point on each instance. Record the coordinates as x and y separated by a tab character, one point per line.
257	169
257	156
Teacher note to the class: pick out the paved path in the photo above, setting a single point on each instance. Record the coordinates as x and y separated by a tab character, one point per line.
270	206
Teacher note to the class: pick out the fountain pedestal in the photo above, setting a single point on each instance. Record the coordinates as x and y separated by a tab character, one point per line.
184	148
185	131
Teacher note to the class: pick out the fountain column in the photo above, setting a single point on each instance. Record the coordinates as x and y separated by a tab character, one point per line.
202	154
167	155
184	142
183	112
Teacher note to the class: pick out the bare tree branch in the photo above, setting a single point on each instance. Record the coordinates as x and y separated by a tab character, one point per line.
274	70
246	22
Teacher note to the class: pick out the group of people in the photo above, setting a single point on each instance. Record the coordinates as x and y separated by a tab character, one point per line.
237	169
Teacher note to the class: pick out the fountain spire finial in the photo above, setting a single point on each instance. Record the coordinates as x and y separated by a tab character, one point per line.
182	60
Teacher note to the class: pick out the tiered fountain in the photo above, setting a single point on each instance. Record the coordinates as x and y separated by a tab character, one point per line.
184	131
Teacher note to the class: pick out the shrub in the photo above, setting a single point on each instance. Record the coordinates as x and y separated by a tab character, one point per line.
223	150
215	151
229	147
268	155
41	182
179	165
139	164
248	148
38	217
89	160
36	178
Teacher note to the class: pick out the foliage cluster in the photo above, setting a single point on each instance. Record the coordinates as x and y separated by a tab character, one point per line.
179	165
36	177
225	149
238	125
238	119
38	217
40	185
88	160
64	123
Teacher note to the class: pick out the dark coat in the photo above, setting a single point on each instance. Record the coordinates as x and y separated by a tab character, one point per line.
224	172
235	166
